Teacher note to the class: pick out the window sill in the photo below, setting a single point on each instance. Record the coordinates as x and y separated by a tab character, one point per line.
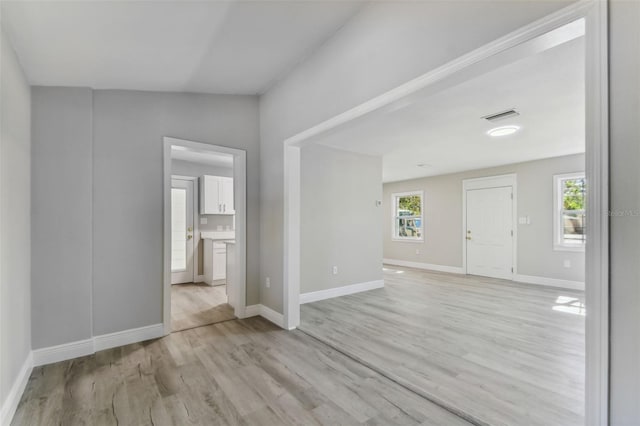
408	240
568	248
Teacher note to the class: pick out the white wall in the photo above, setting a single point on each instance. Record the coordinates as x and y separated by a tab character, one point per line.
443	219
125	156
624	66
61	215
385	45
340	224
15	213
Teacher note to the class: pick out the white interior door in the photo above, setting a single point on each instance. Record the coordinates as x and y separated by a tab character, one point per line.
489	233
181	231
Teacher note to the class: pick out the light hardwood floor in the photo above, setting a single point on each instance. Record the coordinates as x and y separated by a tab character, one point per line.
195	305
240	372
500	352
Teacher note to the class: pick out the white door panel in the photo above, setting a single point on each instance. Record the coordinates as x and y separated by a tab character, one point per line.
181	231
489	233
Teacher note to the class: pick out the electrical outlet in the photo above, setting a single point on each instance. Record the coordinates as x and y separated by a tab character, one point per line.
567	263
417	251
267	282
203	221
335	270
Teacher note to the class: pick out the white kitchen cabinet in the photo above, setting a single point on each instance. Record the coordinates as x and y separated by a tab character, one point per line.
215	262
216	195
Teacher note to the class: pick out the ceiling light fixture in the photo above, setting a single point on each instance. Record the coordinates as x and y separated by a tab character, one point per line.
503	131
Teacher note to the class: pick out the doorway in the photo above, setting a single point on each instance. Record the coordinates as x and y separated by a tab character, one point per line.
204	234
182	262
489	234
595	168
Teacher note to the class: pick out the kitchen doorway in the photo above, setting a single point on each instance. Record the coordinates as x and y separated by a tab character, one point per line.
204	234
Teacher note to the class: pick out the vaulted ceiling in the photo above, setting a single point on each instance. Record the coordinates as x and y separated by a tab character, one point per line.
231	47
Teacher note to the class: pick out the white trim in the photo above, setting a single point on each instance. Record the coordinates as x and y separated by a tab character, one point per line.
126	337
275	317
486	182
10	404
597	247
240	201
330	293
291	282
52	354
550	282
426	266
597	157
394	216
252	311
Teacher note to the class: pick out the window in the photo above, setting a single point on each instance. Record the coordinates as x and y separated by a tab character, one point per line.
407	216
569	212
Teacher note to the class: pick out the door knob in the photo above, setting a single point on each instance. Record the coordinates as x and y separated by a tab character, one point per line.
468	237
189	237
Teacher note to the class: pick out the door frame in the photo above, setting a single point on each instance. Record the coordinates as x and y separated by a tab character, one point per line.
489	182
196	220
240	201
595	13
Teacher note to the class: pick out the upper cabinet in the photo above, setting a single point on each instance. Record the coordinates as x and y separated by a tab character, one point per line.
216	195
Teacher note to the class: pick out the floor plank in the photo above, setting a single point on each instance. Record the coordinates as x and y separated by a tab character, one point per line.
195	305
239	372
501	352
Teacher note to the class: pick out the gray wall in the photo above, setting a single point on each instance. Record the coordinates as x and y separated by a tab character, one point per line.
15	212
125	157
128	127
373	53
340	222
61	215
443	219
624	104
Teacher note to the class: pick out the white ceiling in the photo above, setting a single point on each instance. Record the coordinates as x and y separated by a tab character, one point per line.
232	47
445	131
208	158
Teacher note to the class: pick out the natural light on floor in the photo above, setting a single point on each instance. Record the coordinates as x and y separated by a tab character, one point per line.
570	305
392	270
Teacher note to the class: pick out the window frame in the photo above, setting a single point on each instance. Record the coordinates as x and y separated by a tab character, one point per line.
394	216
558	213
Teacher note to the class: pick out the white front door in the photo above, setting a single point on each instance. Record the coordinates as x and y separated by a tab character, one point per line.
489	233
181	231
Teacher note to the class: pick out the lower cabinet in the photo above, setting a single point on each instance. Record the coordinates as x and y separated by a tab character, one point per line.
215	262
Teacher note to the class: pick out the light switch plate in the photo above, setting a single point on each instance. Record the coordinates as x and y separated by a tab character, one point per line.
203	221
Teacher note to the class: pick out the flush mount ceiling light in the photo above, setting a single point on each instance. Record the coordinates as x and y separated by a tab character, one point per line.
503	131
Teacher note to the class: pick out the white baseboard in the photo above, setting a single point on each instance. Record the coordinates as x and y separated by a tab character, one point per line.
121	338
62	352
550	282
314	296
427	266
252	311
275	317
80	348
10	404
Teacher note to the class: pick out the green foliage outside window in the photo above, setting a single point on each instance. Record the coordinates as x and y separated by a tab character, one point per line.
409	206
574	190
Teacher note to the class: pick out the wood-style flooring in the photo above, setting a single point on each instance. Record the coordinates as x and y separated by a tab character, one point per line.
500	352
240	372
195	305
